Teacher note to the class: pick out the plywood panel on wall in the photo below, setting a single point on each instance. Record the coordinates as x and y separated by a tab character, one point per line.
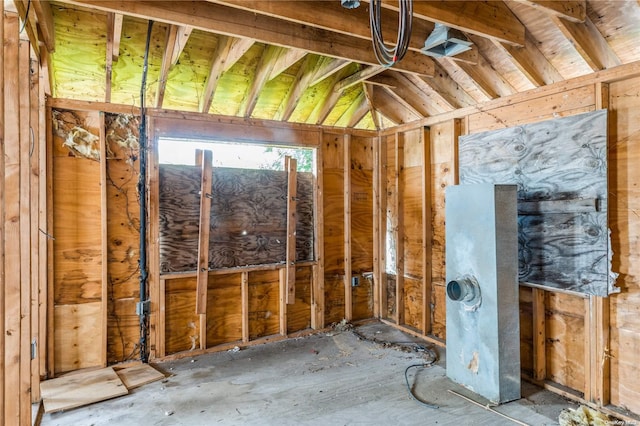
182	325
264	297
224	309
299	314
624	184
123	236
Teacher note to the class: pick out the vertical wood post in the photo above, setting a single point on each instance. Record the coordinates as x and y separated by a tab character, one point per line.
317	292
202	281
156	287
104	247
161	323
539	335
2	216
283	301
291	166
50	268
42	236
382	243
377	172
399	228
348	299
244	294
426	231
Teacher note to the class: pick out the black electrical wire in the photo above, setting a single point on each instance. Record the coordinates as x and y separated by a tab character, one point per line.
410	390
26	16
388	56
142	191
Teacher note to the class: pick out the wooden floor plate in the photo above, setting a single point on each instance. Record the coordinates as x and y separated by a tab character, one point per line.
81	389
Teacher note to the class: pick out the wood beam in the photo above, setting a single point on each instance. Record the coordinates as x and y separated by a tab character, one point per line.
217	68
291	167
358	77
348	291
368	93
286	59
388	105
203	233
325	106
298	87
329	67
531	61
572	10
116	33
448	89
42	8
169	45
238	48
267	61
31	25
427	233
399	227
486	76
418	95
405	104
361	110
589	42
490	19
240	23
182	36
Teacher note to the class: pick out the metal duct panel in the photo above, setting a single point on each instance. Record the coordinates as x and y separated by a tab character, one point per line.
483	327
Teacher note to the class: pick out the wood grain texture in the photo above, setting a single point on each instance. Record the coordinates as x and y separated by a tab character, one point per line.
299	313
248	217
134	376
76	335
182	325
561	159
224	312
264	300
123	239
413	303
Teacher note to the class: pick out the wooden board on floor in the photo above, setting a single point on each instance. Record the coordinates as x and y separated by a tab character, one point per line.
81	389
136	375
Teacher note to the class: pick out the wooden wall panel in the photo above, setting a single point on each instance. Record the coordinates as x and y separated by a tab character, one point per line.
264	299
333	222
224	310
413	303
624	203
77	248
526	331
299	314
565	339
182	325
123	236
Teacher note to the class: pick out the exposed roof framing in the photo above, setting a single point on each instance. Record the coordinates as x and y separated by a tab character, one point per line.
312	60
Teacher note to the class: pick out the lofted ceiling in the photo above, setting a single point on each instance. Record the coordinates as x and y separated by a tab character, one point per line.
313	61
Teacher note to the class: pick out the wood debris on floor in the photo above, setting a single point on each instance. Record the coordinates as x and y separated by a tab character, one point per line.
83	388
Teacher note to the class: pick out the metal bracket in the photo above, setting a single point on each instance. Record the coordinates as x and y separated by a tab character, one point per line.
142	308
34	348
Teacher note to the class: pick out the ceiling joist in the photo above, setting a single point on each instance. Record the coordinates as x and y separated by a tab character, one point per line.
360	112
286	59
329	67
358	77
42	8
589	43
235	22
267	61
299	86
572	10
217	68
183	32
368	93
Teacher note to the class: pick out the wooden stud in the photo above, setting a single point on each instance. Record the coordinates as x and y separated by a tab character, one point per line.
291	165
382	242
104	243
244	291
49	228
283	301
203	234
11	219
589	346
160	340
377	214
457	131
348	299
425	135
2	215
24	67
156	286
317	294
539	334
399	231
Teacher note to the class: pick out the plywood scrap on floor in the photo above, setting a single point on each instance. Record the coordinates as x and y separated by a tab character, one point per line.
81	389
134	375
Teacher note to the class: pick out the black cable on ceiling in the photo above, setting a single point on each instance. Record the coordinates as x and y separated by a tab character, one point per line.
388	56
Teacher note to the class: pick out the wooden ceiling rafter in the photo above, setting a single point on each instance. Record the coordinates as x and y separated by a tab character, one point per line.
358	77
589	43
215	72
405	104
212	17
572	10
300	84
260	78
449	89
490	19
287	58
354	108
31	25
463	80
531	62
489	76
361	111
368	93
391	110
415	93
430	94
329	67
44	15
169	46
327	104
183	32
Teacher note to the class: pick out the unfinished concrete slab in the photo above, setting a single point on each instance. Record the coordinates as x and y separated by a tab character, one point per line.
331	378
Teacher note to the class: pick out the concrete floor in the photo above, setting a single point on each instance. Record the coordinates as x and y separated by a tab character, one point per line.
332	378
